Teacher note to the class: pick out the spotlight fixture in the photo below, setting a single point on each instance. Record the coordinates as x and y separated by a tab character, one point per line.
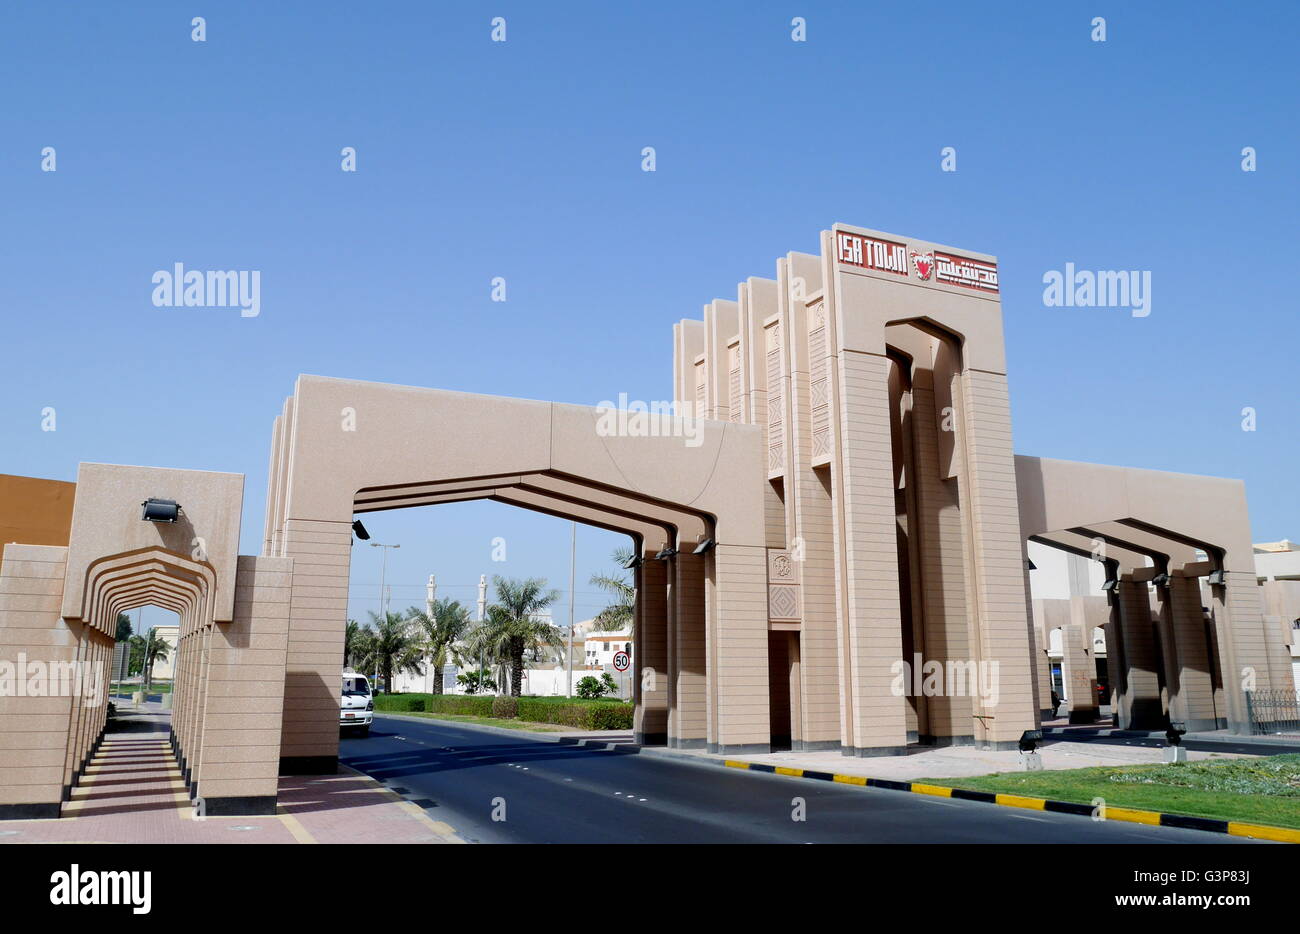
666	553
360	530
1174	735
702	547
160	510
1217	577
632	562
1110	584
1161	580
1030	739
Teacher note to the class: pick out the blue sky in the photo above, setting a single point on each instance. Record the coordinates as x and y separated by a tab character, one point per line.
522	159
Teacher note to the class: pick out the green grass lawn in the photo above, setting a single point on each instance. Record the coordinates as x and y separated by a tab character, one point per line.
1263	790
485	721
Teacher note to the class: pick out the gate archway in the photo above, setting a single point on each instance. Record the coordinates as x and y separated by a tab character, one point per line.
343	446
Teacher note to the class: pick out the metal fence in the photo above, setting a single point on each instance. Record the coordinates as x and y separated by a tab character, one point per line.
1273	712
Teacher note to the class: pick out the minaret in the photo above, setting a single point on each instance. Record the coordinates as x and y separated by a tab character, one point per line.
482	596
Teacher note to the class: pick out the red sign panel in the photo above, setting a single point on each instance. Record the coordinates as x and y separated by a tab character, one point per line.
963	271
870	253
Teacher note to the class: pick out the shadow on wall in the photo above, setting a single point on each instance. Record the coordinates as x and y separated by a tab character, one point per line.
309	740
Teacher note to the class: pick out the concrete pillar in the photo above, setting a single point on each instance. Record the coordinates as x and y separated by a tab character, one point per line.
810	517
870	615
651	671
309	743
689	722
1078	669
943	589
995	577
1140	708
738	662
1191	676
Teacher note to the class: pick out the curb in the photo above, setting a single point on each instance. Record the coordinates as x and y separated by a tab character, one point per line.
1131	815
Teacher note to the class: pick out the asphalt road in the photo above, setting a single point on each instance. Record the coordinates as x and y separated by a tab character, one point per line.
554	793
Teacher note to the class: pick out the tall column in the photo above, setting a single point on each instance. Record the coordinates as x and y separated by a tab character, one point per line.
1141	709
738	664
995	576
651	671
1193	696
941	537
321	550
690	695
1079	667
870	616
810	516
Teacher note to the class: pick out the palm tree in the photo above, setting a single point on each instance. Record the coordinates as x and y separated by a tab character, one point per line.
356	645
442	630
619	614
393	646
151	649
512	626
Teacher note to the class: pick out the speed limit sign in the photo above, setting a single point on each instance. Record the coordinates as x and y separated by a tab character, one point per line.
622	661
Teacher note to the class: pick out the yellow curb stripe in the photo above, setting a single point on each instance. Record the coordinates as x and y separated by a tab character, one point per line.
733	764
1019	801
1280	834
1132	816
937	790
782	770
850	779
298	830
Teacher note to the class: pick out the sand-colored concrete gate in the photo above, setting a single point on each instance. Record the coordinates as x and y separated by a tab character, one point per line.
389	447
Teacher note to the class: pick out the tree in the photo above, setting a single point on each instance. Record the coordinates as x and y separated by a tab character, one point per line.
475	681
512	627
151	649
356	645
619	614
393	646
441	633
123	627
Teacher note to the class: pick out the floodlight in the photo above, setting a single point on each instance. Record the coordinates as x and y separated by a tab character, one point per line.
160	510
1110	584
1161	580
702	547
360	530
1030	739
1174	735
667	553
1217	577
632	562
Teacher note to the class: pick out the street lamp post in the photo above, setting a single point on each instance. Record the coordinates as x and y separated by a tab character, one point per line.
383	604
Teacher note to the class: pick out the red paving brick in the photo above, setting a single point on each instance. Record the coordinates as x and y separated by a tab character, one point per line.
133	792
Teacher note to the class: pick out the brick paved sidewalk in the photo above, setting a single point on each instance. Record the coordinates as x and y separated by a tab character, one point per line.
133	793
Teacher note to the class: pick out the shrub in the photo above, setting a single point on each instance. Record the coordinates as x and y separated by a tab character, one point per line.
608	717
505	708
563	711
589	687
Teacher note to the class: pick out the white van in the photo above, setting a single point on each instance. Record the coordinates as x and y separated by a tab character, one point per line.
357	709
